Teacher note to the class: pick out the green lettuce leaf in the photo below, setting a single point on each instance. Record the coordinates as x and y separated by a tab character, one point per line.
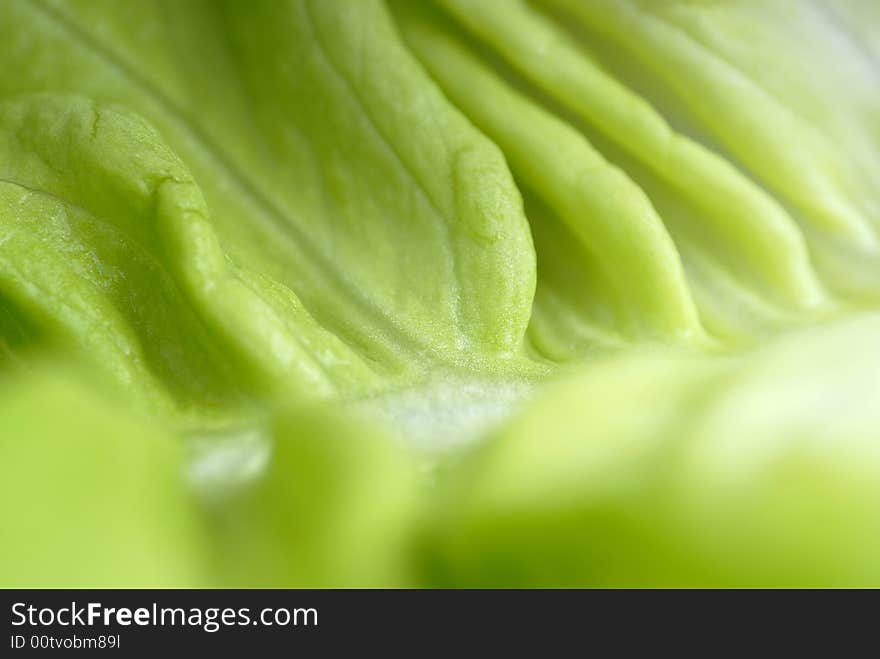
336	507
91	498
802	120
390	293
362	240
668	469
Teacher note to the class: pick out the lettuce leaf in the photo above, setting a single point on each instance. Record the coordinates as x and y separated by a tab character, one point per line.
331	246
664	469
436	293
91	498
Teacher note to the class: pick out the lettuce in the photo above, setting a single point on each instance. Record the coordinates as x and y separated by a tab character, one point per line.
392	293
91	497
669	470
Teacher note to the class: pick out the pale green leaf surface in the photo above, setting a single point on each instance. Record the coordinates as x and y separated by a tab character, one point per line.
787	89
91	498
662	469
746	220
336	508
585	290
324	244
